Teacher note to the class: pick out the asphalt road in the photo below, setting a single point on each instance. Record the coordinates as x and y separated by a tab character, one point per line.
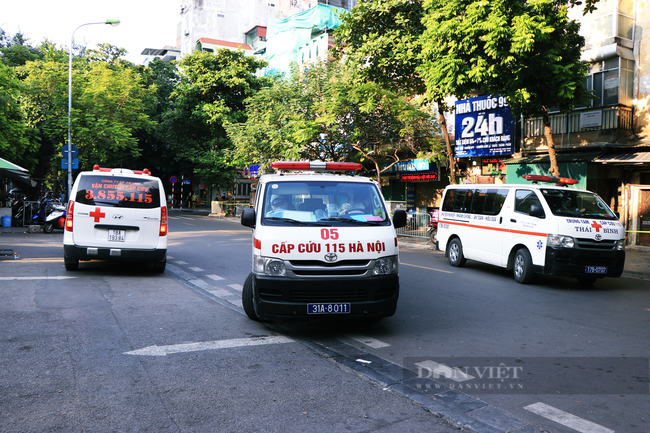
64	343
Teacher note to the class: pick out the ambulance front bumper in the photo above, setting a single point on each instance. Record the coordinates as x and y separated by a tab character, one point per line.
279	298
574	262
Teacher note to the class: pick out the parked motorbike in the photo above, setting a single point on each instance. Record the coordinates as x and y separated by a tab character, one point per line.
432	231
56	219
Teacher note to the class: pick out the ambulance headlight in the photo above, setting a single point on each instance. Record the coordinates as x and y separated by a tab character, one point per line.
386	266
268	266
620	244
560	241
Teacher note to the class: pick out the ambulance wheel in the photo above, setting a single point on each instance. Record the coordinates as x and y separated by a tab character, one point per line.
48	227
455	253
159	267
247	298
70	264
522	266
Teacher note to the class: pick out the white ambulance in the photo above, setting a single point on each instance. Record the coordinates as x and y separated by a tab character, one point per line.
323	245
116	214
532	229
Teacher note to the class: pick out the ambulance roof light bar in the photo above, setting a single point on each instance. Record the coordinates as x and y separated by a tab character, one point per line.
551	179
96	167
316	165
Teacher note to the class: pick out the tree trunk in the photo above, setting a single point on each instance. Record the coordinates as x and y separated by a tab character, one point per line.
450	152
378	173
548	134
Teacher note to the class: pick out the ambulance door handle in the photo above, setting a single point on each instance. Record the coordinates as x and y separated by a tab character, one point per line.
500	220
512	220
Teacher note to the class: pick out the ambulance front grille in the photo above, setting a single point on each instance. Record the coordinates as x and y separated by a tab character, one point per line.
586	243
346	295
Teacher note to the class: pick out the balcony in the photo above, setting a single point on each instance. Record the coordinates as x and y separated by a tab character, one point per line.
584	127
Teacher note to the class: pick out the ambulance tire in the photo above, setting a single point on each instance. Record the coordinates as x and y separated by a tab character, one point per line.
247	298
70	264
455	253
159	267
522	266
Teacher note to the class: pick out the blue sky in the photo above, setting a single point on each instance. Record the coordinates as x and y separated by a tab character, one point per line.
144	23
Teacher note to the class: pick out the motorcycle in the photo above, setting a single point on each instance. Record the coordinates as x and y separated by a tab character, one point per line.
56	219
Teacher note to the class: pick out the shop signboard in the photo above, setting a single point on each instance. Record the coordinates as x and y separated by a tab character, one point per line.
484	127
413	165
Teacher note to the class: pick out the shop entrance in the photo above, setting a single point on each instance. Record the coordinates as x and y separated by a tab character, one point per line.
644	218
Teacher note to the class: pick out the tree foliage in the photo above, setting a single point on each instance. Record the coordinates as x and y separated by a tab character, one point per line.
321	114
526	51
14	143
210	94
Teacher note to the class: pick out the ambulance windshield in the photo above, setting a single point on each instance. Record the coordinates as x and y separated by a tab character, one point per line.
323	202
580	204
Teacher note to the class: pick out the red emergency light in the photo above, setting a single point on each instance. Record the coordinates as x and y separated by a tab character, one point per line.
317	165
96	167
550	179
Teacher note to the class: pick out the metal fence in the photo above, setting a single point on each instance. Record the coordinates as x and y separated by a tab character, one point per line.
416	225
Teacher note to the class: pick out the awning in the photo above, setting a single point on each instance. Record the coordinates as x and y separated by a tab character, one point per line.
629	157
4	164
14	171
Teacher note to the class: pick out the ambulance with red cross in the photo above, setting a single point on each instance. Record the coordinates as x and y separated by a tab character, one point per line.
116	214
324	245
536	228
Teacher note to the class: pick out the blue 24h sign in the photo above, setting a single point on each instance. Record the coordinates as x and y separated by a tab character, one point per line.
484	127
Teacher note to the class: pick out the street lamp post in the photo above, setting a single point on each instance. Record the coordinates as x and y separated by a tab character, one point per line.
109	22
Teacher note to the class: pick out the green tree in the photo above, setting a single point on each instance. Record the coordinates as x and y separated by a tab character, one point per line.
210	94
108	104
16	50
322	114
14	143
526	51
379	41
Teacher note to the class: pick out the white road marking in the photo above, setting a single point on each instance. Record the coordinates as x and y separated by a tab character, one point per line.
215	277
437	371
195	269
34	278
567	419
180	262
208	345
170	258
368	341
237	287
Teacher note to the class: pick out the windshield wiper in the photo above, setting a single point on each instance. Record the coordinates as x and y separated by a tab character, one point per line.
353	221
296	222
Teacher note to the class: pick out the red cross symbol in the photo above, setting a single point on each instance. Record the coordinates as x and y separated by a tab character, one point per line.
97	214
596	226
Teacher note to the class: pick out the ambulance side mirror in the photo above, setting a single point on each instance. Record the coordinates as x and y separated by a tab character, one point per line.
248	218
399	218
536	211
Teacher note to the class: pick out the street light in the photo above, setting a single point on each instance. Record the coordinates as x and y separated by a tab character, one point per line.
109	22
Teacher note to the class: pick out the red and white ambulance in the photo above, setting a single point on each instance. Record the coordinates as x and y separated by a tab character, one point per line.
532	229
323	245
116	214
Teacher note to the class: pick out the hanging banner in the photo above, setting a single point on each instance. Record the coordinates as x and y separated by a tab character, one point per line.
484	127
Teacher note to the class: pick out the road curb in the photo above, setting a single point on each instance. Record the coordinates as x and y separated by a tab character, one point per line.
462	411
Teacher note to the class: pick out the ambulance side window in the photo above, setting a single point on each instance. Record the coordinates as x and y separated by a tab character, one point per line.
499	200
448	204
459	203
524	199
478	204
